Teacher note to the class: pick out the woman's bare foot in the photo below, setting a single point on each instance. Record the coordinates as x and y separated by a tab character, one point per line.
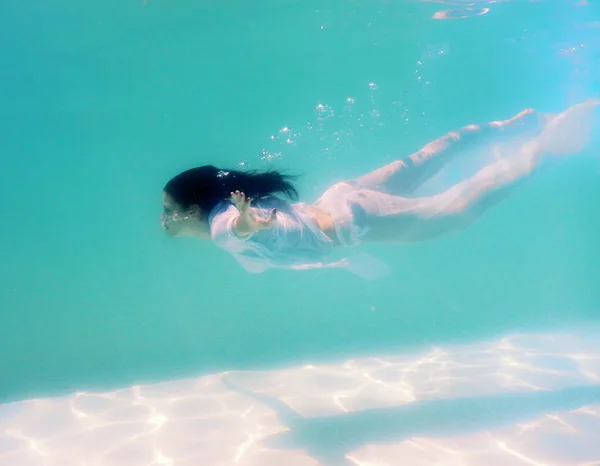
570	131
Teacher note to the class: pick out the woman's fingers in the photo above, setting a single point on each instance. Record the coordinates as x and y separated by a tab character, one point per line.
272	217
268	222
240	200
242	203
236	196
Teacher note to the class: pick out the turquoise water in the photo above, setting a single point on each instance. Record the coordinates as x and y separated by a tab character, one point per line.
103	102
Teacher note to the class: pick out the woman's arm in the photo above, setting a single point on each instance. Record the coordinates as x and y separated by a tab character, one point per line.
248	221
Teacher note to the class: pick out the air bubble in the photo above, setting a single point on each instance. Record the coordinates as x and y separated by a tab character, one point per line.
324	111
267	156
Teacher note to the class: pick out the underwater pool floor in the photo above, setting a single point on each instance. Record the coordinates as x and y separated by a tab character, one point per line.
529	399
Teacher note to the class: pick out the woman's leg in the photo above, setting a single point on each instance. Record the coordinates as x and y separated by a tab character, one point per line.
397	219
404	176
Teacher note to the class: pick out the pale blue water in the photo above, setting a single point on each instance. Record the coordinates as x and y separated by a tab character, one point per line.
101	103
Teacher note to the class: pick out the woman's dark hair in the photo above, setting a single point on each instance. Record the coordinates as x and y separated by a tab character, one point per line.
206	186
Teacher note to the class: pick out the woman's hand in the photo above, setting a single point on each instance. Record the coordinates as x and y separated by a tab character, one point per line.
249	221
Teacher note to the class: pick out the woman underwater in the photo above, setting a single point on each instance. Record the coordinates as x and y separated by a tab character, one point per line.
242	213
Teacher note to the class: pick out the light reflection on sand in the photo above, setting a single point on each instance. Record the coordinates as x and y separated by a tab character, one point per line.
520	400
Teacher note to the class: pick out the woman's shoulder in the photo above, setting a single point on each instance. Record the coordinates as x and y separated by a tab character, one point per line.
221	210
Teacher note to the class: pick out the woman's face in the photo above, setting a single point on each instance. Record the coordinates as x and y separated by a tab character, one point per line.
177	221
